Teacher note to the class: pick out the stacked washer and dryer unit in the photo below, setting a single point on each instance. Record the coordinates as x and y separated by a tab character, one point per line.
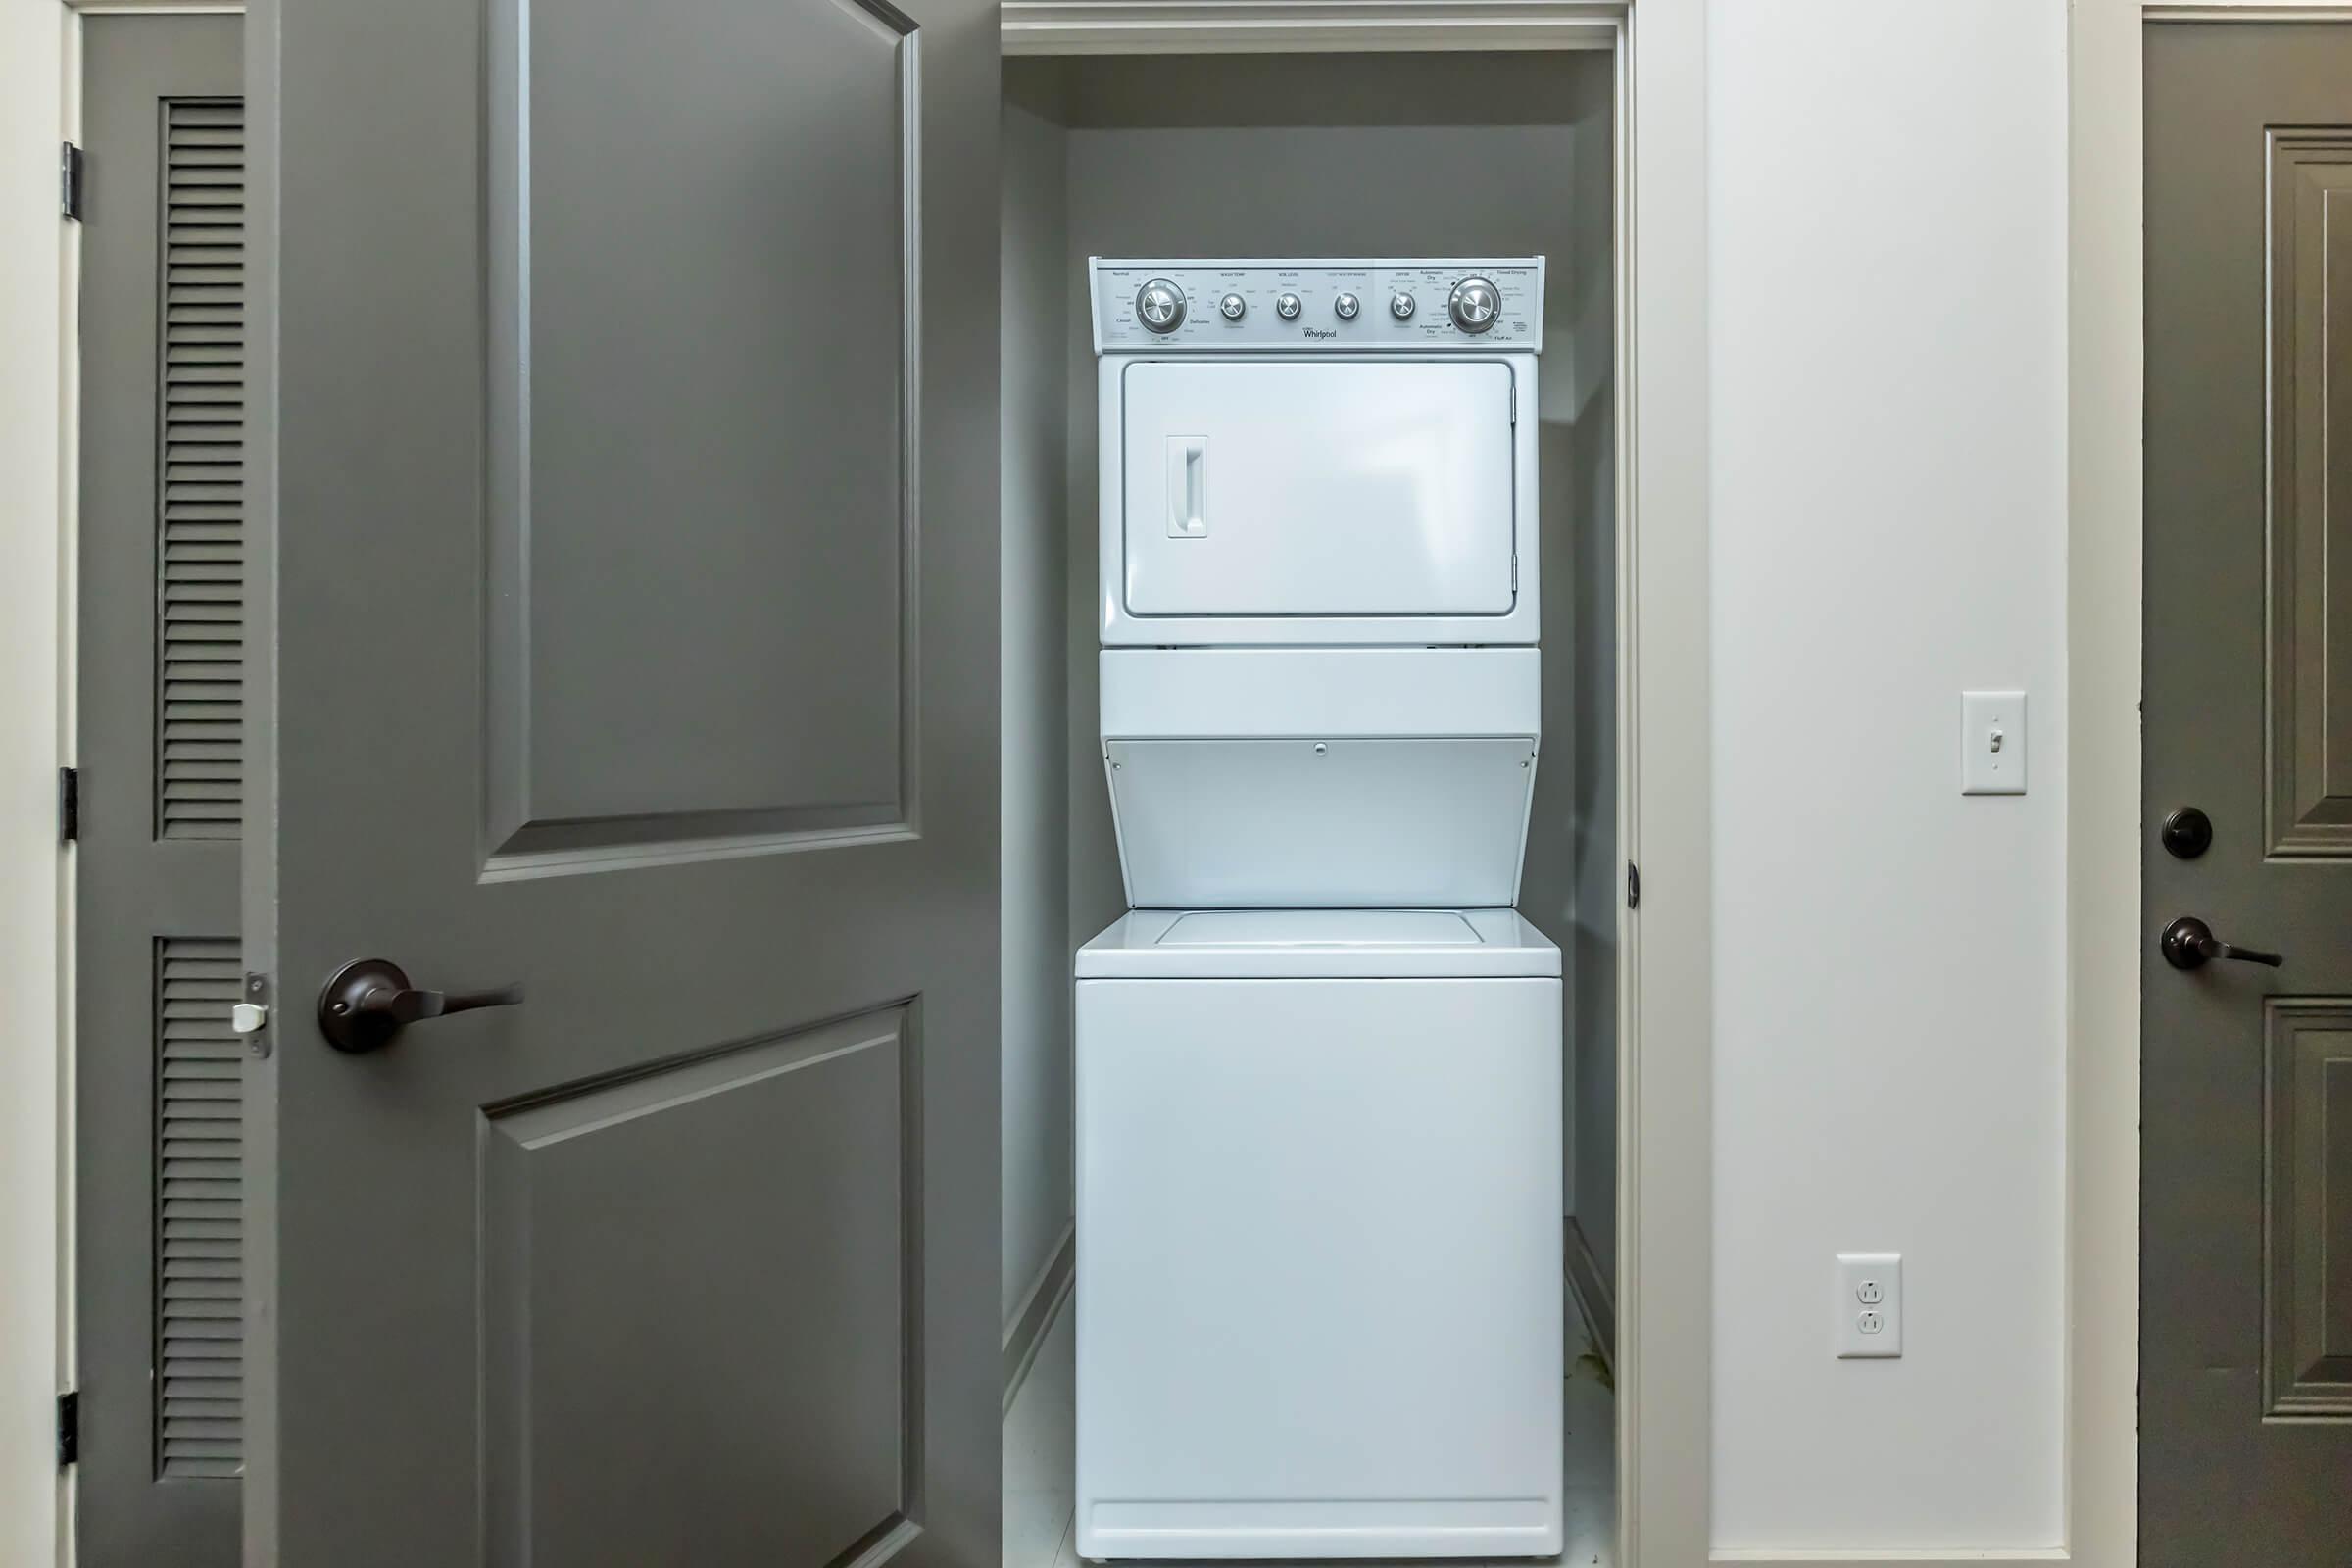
1318	1061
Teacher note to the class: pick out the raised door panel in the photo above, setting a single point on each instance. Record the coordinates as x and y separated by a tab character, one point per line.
723	1245
2307	1191
702	420
2310	654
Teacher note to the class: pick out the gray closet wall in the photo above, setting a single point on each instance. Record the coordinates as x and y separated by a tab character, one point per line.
1037	772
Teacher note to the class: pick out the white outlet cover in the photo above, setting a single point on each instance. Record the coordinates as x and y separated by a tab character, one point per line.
1992	742
1870	1306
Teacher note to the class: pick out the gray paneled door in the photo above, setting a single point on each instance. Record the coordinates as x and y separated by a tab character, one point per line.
625	489
158	1151
2246	1187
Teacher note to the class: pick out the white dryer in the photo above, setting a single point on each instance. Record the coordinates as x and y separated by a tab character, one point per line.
1318	1065
1319	578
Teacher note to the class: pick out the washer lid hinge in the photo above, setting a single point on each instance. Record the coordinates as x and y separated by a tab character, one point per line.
68	1428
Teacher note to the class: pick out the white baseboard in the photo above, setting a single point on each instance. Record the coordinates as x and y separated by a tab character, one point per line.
1893	1559
1038	1309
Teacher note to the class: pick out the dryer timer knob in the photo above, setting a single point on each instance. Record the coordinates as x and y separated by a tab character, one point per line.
1160	306
1475	304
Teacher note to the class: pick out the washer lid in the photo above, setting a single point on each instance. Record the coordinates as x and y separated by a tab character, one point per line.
1317	944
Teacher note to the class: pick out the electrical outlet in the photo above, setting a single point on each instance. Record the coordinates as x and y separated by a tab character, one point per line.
1870	1305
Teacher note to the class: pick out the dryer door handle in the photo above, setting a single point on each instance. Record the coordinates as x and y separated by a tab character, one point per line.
1188	486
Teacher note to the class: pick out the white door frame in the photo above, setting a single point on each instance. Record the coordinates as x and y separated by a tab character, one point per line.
1665	1062
36	1091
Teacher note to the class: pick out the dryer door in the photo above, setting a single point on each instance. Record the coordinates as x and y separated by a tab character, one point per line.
1333	488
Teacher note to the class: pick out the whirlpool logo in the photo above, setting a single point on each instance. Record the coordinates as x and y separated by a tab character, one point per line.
1315	333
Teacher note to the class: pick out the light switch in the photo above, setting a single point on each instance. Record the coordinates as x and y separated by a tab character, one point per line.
1992	742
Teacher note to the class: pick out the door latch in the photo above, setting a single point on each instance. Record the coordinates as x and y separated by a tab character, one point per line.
250	1016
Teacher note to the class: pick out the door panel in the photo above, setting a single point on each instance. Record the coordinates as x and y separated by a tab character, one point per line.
675	523
2310	654
2307	1223
635	642
2246	1182
784	1163
160	1254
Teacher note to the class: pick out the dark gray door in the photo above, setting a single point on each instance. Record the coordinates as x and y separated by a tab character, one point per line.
160	1254
2246	1187
625	512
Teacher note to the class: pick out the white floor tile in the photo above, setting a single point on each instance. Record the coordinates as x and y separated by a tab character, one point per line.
1041	1454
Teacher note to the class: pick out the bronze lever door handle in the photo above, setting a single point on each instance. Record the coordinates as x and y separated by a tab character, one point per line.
2189	943
367	1001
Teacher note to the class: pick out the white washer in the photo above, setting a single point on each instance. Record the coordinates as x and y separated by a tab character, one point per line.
1319	1238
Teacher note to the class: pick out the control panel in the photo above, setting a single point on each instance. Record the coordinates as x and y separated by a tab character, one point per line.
1199	306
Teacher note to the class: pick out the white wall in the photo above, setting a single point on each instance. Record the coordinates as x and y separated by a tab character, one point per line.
31	1091
1888	262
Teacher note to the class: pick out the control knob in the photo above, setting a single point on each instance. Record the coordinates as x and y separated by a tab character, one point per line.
1233	306
1346	307
1475	304
1288	307
1402	306
1160	306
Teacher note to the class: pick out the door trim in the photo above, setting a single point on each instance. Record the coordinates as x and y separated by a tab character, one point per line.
1664	1197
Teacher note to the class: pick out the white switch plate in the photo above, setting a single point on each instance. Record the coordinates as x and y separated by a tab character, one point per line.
1870	1305
1992	742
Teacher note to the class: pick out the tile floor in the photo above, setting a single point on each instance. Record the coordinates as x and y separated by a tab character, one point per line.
1040	1523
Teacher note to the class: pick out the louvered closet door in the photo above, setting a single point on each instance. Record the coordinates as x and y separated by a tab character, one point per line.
161	1103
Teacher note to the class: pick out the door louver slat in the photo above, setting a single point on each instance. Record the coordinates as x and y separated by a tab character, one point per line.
200	630
200	1247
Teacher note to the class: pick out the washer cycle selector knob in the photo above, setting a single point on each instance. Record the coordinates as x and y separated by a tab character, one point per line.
1233	306
1400	306
1346	307
1475	304
1160	306
1288	307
